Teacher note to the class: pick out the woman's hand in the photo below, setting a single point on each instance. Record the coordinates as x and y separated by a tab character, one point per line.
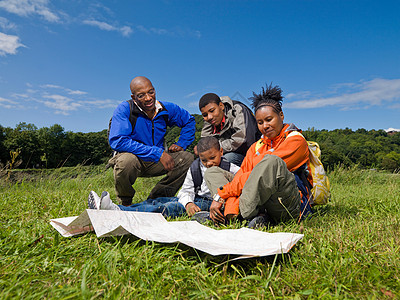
215	212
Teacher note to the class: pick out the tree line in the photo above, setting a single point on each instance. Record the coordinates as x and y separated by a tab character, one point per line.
53	147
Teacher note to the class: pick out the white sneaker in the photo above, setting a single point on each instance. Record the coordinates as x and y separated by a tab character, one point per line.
106	202
94	200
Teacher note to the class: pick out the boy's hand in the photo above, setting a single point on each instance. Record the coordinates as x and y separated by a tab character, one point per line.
192	208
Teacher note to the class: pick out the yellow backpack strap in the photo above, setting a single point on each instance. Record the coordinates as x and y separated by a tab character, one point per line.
259	144
293	133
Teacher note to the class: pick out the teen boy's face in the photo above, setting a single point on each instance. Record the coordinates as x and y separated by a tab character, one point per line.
211	157
213	113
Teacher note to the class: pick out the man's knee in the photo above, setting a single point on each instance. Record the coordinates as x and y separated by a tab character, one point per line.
126	161
184	159
187	157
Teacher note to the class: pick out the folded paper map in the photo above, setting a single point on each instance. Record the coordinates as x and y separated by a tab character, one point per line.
154	227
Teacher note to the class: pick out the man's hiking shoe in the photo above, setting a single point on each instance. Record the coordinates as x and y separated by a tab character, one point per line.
259	222
106	202
93	200
201	217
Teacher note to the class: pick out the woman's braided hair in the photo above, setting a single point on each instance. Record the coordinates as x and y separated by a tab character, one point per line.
270	96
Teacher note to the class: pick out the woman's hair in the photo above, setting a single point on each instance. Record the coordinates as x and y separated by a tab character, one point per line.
209	98
270	96
206	143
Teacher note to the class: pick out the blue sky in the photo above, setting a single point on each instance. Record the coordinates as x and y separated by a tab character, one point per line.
70	62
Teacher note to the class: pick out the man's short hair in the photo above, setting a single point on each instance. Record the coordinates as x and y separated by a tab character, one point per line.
207	99
206	143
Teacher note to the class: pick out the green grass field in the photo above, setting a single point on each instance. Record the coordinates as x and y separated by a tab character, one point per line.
350	249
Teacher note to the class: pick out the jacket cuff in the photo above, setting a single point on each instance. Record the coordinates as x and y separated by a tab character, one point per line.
223	193
185	200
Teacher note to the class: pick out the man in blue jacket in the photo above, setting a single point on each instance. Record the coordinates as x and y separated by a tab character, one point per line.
139	144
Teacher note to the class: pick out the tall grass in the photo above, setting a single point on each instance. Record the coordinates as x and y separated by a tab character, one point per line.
350	248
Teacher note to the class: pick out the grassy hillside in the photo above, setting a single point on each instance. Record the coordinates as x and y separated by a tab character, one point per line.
350	248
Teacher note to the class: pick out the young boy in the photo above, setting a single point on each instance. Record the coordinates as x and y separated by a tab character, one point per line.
194	195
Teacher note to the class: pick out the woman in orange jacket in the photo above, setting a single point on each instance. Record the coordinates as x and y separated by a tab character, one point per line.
273	183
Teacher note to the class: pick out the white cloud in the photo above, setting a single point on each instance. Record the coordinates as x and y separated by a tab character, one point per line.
30	7
392	129
69	91
51	86
172	32
76	92
355	96
191	95
64	101
6	25
9	44
61	104
6	103
108	103
124	30
193	104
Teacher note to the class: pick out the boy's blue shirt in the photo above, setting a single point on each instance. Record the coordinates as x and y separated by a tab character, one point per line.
147	139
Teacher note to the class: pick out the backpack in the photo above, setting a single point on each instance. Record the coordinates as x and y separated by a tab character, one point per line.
320	190
250	120
132	118
198	177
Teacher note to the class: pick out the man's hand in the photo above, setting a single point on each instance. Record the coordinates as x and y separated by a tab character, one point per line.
167	161
192	208
175	148
215	212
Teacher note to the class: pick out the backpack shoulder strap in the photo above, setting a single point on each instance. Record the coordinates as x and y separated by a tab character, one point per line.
244	106
132	115
293	133
225	164
259	144
196	175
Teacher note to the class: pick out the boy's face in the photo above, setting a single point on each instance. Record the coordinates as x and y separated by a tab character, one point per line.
211	157
213	113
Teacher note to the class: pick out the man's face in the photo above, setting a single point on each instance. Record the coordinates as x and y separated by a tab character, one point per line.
213	113
144	95
211	157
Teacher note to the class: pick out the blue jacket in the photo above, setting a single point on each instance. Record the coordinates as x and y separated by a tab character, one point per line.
147	139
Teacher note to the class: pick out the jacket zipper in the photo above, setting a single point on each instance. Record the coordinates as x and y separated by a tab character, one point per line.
152	130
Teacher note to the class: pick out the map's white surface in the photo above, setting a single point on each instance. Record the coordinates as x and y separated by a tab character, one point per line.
154	227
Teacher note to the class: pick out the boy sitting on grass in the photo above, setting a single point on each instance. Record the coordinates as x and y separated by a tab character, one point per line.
194	195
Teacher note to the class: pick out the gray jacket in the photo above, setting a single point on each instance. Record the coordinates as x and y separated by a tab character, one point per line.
240	130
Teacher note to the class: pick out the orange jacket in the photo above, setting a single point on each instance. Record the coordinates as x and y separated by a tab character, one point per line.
293	150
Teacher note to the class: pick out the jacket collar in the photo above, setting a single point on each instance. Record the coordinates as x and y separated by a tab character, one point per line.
287	128
159	107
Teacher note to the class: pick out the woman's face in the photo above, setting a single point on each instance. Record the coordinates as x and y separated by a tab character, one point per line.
269	122
213	113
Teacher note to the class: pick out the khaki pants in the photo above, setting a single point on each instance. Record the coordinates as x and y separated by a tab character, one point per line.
127	167
270	188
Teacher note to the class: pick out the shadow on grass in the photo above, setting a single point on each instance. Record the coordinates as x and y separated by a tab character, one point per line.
337	210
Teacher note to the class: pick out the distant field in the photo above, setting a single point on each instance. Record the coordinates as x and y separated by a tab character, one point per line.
351	247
